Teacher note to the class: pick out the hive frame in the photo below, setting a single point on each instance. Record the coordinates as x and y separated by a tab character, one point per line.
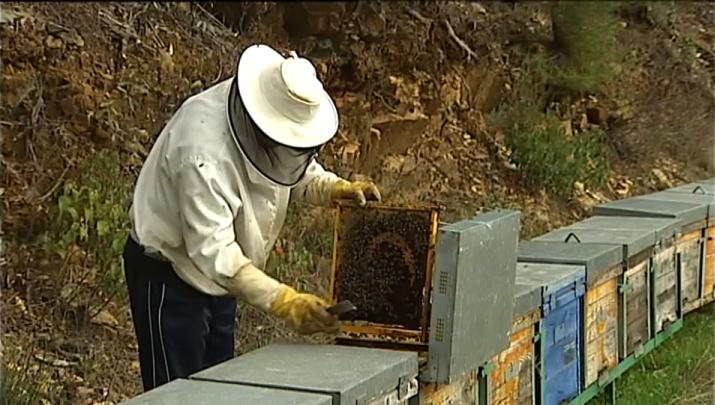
414	339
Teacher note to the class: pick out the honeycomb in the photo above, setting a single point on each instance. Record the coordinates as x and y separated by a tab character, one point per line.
381	264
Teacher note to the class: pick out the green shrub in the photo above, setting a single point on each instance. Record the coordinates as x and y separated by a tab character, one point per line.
92	213
585	34
547	157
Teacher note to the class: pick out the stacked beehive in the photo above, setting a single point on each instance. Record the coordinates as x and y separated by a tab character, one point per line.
602	266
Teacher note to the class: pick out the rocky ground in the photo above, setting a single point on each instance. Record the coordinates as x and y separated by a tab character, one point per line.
416	85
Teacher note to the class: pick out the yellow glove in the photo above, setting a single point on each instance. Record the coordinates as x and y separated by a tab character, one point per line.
304	312
360	191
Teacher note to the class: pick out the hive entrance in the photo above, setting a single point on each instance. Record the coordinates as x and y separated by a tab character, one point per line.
382	263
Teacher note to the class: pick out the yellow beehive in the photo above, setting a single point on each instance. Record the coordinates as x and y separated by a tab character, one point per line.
601	325
511	381
462	391
709	277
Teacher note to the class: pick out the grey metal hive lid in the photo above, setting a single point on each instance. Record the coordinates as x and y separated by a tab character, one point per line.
475	266
345	372
705	203
548	276
496	214
193	392
703	187
650	207
663	227
595	256
634	240
526	299
696	187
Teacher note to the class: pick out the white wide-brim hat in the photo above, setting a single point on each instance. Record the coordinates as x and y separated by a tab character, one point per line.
285	98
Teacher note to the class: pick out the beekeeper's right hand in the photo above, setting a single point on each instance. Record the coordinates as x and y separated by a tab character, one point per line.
306	313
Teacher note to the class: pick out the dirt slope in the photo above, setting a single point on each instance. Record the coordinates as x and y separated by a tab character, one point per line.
415	84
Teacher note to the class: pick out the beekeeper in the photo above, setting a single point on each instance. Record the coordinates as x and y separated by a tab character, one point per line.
209	203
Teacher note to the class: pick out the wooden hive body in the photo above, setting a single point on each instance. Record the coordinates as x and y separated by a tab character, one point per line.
512	381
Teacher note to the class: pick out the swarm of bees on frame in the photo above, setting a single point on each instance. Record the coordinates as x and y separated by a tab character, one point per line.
382	262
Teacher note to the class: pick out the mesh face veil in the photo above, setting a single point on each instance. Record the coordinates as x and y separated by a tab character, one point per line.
279	163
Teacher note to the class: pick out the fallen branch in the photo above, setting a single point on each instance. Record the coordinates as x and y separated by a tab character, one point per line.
459	41
385	103
92	314
58	26
54	362
39	104
211	17
123	31
54	186
417	15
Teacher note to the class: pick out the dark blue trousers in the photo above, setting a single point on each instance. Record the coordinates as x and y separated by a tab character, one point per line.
179	330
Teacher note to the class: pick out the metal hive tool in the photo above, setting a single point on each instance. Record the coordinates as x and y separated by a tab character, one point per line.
382	262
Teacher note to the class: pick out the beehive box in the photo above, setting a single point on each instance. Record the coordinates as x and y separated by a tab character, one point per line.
349	375
207	392
701	193
383	259
562	288
644	233
665	229
692	210
511	381
634	307
603	265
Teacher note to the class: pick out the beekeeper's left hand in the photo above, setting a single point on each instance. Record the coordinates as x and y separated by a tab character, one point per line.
359	191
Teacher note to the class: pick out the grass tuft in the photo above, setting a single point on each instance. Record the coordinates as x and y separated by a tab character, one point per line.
681	371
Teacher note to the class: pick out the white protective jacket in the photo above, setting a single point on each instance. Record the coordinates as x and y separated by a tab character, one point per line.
202	205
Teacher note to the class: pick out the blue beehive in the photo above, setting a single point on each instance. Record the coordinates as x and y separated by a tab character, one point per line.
562	289
604	267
